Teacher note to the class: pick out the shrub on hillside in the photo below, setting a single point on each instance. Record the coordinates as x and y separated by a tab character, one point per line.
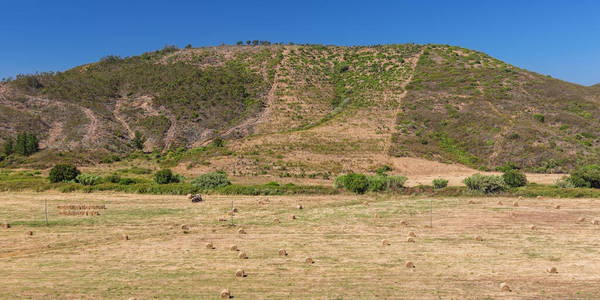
357	183
165	176
440	183
485	184
88	179
506	167
380	183
211	180
63	172
586	176
564	183
514	178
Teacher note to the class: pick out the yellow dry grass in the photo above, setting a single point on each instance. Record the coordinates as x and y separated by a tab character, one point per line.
84	256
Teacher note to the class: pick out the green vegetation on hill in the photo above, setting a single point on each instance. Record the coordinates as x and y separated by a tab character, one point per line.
460	106
464	106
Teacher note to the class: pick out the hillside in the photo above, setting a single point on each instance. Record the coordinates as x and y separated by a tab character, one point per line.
289	110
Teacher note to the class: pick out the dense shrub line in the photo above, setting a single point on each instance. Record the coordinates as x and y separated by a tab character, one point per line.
360	183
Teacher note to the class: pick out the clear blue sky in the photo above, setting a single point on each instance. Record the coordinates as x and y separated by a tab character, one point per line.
559	38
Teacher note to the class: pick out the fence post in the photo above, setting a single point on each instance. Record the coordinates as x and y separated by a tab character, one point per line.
46	210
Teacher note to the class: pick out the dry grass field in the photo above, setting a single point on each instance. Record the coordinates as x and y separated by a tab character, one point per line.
85	257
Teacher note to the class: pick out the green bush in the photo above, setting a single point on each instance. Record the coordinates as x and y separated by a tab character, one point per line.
359	183
383	169
485	184
210	181
506	167
112	178
356	183
165	176
380	183
126	181
539	117
63	172
514	178
564	183
440	183
110	158
138	141
88	179
586	176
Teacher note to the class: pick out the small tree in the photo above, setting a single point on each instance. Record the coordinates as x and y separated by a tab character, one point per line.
165	176
514	178
138	141
586	176
26	144
63	172
8	147
239	43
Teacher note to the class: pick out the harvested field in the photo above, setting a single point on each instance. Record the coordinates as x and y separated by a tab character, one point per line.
85	256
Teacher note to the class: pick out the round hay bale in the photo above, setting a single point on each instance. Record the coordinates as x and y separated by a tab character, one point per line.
234	210
520	198
197	198
222	219
210	246
479	238
385	242
557	206
309	260
596	222
539	197
293	217
533	227
240	273
504	287
471	202
242	255
189	196
282	252
403	222
409	265
552	270
29	232
299	206
185	227
233	248
377	216
516	204
412	234
260	202
276	220
225	294
499	202
581	219
124	237
242	231
410	240
5	225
